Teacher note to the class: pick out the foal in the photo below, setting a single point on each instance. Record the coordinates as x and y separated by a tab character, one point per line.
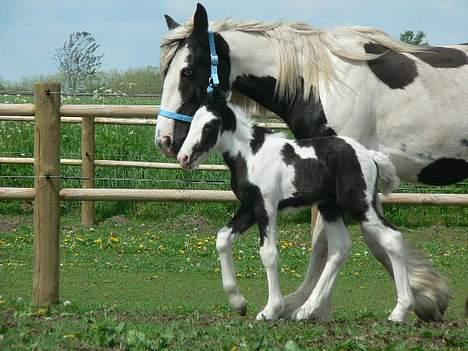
270	173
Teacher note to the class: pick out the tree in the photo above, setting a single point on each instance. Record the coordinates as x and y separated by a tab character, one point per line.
77	59
413	38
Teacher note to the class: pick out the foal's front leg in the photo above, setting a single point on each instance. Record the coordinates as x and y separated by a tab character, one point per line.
269	254
242	221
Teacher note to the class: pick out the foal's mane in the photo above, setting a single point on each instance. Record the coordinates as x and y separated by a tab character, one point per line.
303	51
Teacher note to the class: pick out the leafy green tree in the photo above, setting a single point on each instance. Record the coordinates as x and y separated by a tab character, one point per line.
414	38
77	59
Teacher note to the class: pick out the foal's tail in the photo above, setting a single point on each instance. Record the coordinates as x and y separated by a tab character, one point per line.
388	178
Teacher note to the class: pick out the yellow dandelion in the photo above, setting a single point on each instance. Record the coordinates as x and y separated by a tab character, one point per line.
114	239
69	336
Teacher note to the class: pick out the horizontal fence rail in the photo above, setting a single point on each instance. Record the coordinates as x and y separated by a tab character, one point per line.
130	121
172	195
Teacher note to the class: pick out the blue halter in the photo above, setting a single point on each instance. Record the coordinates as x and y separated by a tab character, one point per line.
212	82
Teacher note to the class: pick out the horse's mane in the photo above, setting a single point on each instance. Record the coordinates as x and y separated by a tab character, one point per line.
302	51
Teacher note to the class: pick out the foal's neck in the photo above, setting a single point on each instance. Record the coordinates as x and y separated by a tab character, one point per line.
244	139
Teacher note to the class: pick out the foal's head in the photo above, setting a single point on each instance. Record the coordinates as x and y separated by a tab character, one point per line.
208	126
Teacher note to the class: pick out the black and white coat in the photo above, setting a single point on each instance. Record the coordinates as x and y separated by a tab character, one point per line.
270	173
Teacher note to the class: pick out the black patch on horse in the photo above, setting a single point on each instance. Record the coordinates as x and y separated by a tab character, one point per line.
464	142
258	138
312	185
393	69
344	167
305	118
242	220
334	181
444	171
439	57
248	194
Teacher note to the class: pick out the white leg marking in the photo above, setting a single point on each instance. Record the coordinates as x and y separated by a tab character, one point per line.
316	264
339	245
392	241
224	243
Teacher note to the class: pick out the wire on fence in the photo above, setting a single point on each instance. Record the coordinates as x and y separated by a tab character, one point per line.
187	181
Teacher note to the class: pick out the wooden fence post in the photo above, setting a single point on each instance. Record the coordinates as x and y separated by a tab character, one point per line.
88	151
47	185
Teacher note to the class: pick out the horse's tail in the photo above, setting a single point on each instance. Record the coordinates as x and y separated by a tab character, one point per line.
430	289
388	178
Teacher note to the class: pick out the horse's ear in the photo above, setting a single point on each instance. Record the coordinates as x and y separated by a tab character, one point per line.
171	24
200	22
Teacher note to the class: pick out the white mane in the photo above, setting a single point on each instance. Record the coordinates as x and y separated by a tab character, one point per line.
302	50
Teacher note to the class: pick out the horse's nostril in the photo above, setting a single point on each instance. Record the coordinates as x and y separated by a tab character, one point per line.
166	142
185	159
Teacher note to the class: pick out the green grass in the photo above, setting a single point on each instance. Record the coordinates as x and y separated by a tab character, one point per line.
133	283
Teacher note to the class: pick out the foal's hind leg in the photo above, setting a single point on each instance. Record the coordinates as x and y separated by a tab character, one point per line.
316	264
391	241
242	221
339	245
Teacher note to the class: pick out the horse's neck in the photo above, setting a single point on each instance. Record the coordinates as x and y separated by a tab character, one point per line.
254	69
251	55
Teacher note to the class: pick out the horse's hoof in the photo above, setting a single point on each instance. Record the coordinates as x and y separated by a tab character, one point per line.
242	311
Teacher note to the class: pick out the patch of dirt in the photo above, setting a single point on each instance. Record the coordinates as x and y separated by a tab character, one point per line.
199	222
119	221
9	224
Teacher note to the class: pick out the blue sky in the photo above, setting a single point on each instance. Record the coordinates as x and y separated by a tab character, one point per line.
129	31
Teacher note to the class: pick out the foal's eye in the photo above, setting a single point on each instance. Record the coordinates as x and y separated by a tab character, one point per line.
187	72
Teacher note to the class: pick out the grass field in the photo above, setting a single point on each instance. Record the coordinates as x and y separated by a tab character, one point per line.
147	276
132	283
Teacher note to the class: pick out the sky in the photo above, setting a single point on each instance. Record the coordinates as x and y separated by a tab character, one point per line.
129	31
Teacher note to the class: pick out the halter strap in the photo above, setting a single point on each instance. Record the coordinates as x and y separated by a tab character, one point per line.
176	116
213	82
214	79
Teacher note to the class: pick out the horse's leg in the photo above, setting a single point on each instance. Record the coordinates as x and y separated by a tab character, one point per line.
391	241
316	264
242	221
430	289
269	255
339	245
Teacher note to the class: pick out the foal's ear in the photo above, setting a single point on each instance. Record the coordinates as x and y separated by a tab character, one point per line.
200	22
171	24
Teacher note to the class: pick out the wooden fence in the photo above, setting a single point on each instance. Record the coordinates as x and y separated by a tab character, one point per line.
47	113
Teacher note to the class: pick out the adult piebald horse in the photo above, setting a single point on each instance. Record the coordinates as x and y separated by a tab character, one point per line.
411	104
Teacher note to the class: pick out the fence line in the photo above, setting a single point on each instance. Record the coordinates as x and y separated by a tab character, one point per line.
175	195
47	194
129	95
